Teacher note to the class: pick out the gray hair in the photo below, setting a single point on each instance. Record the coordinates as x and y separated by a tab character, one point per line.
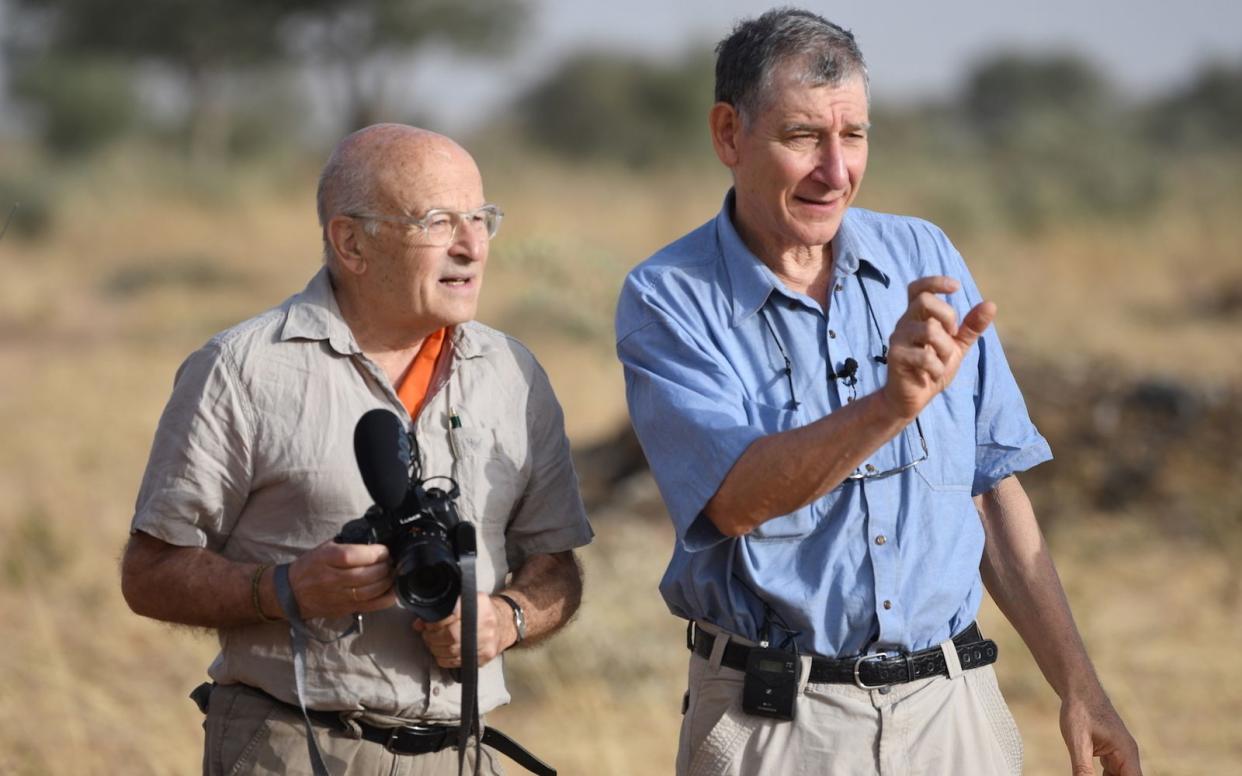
748	59
346	186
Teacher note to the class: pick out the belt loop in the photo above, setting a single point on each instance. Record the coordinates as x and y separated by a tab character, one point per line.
805	678
718	649
950	658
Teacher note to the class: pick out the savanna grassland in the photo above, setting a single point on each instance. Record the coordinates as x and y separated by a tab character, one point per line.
140	260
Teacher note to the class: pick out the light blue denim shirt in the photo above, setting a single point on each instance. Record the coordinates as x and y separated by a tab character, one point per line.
874	564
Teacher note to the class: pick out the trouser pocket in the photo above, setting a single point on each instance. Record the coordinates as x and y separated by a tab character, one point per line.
982	682
236	730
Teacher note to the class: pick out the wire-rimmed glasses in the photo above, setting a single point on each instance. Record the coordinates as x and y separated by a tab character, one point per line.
869	472
440	227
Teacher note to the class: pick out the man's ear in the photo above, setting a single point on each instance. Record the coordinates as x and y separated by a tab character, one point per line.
343	235
726	128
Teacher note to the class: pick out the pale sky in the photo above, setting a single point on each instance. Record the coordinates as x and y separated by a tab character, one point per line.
911	48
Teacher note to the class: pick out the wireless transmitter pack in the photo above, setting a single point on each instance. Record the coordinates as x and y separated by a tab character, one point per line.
771	684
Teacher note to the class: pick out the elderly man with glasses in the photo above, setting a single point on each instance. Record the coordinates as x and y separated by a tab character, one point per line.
828	412
252	474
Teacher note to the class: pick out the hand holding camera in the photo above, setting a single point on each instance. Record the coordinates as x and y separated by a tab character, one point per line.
444	639
336	580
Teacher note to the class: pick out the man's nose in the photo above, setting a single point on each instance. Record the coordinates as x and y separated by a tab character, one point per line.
830	168
469	244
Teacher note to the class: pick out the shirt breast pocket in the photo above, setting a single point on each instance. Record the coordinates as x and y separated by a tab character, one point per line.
796	524
489	478
948	423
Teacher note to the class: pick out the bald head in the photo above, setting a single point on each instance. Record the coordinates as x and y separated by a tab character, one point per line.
368	167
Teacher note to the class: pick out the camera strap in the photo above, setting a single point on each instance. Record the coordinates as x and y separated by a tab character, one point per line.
298	634
467	554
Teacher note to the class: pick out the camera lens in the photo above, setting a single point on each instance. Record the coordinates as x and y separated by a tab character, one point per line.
428	579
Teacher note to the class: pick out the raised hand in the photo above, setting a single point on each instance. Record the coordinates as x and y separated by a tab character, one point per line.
928	345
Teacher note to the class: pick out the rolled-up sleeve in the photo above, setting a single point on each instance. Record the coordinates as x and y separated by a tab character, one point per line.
199	472
688	412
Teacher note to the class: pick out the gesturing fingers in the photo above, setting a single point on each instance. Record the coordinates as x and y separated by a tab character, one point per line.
932	284
975	323
927	306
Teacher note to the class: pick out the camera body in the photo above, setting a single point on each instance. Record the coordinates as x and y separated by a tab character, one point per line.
425	538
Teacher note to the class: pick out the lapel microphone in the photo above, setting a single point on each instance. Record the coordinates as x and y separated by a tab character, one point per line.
848	372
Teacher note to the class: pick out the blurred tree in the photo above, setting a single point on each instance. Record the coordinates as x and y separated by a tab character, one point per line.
615	106
80	104
203	44
1206	114
365	40
1059	143
197	41
1015	100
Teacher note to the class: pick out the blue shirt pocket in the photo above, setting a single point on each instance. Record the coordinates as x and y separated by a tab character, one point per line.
796	524
949	426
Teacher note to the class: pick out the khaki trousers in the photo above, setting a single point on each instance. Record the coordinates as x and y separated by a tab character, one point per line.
943	726
249	733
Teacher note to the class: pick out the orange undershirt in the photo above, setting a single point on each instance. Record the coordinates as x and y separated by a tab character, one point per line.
413	389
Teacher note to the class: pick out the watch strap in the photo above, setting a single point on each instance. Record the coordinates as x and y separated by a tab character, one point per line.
519	616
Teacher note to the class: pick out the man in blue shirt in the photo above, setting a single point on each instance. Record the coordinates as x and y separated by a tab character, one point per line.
835	431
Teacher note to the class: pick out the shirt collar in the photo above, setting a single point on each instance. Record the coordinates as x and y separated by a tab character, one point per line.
468	340
315	315
753	281
854	254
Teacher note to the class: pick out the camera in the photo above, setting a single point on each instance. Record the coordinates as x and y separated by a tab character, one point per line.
418	523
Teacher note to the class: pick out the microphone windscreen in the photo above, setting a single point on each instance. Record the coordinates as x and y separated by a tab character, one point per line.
383	452
849	368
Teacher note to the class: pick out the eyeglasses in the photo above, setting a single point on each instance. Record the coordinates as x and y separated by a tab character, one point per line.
869	472
440	227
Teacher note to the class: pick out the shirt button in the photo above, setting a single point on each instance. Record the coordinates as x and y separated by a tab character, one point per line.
888	604
436	690
832	334
839	287
881	539
871	469
849	399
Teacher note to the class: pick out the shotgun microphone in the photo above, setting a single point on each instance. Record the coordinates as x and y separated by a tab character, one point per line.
382	448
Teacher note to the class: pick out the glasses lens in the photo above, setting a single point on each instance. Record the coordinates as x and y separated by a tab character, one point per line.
491	219
484	222
439	227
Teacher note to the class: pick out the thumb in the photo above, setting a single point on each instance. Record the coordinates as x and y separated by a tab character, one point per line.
975	323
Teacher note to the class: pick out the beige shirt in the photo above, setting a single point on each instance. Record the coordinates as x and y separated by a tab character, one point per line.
253	459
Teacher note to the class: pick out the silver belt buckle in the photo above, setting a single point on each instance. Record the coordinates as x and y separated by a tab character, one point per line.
858	682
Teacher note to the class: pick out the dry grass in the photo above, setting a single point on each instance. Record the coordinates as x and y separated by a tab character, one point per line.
142	265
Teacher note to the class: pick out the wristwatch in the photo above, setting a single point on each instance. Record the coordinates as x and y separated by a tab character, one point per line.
519	616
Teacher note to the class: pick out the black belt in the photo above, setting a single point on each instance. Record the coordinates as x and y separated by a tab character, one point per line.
406	739
867	672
